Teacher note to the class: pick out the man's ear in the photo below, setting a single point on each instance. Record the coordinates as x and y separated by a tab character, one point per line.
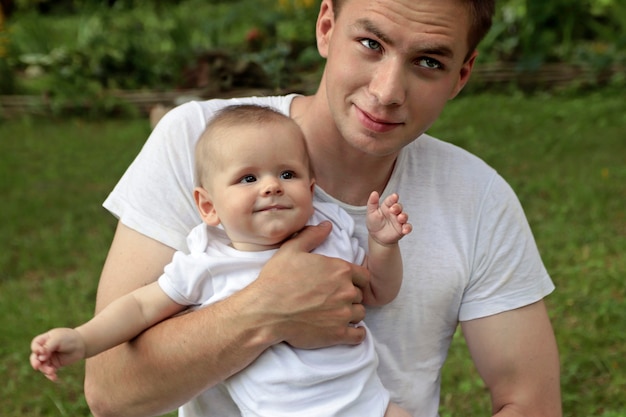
464	74
205	206
324	27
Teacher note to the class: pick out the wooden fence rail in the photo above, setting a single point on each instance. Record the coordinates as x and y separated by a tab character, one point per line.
548	76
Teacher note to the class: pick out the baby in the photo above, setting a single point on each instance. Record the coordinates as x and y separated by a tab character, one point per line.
255	191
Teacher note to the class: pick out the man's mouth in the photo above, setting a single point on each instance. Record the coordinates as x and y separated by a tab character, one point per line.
375	123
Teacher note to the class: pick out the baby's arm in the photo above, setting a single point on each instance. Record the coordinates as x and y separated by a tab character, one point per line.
55	349
119	322
387	223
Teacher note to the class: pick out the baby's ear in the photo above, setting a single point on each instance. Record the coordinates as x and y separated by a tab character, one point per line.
205	206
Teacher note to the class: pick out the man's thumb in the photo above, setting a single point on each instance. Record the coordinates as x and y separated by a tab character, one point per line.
309	238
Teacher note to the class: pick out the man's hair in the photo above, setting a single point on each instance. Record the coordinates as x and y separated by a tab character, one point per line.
231	117
481	16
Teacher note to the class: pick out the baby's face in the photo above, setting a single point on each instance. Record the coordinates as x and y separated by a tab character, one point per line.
262	189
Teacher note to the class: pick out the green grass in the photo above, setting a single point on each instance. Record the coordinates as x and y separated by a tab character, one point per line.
55	235
564	155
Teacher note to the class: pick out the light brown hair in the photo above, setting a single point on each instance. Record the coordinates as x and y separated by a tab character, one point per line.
481	17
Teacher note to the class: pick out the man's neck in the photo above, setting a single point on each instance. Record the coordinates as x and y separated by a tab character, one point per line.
340	170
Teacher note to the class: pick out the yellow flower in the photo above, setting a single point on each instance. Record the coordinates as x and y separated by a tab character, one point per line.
605	173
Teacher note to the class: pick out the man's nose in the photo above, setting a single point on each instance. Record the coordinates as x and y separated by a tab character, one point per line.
388	82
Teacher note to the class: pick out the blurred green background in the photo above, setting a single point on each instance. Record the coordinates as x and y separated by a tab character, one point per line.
562	146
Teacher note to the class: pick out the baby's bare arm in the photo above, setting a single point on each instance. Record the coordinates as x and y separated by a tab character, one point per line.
126	317
119	322
197	350
54	349
387	223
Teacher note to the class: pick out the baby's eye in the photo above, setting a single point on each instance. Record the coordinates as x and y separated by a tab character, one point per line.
287	175
247	178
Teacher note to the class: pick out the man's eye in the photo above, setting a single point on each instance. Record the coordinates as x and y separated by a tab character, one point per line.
287	175
429	63
247	178
370	44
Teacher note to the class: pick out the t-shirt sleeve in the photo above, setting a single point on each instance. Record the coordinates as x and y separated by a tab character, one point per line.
341	243
187	279
154	196
507	271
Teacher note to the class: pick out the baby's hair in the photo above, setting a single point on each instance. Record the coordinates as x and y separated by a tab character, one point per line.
231	117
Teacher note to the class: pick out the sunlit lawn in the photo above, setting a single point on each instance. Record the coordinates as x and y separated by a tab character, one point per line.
564	155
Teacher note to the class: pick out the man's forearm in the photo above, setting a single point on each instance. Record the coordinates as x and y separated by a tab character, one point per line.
181	357
174	361
514	411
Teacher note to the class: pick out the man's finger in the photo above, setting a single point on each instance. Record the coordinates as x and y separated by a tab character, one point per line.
354	335
360	276
308	238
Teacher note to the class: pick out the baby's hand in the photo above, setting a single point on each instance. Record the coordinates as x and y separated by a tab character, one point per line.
387	223
57	348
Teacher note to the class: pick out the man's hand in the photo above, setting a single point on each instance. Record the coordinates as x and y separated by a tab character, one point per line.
312	299
303	299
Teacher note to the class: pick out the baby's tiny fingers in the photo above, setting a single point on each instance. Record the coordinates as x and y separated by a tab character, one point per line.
34	362
396	209
391	199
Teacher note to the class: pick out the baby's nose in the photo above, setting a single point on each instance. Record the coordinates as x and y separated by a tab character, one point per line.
273	187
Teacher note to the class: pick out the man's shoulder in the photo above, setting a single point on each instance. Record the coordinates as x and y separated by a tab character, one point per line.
280	103
431	155
427	145
442	167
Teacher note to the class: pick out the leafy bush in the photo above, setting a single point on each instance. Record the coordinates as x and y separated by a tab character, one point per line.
117	50
142	44
586	32
7	79
137	44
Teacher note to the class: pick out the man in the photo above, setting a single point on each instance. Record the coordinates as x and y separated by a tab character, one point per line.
391	67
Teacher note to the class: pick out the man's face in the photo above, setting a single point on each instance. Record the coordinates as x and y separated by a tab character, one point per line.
391	67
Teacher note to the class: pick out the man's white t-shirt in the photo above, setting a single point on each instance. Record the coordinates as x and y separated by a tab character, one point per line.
471	253
338	381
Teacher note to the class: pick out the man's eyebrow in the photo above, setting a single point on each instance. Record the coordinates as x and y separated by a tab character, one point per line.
369	26
438	50
432	49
